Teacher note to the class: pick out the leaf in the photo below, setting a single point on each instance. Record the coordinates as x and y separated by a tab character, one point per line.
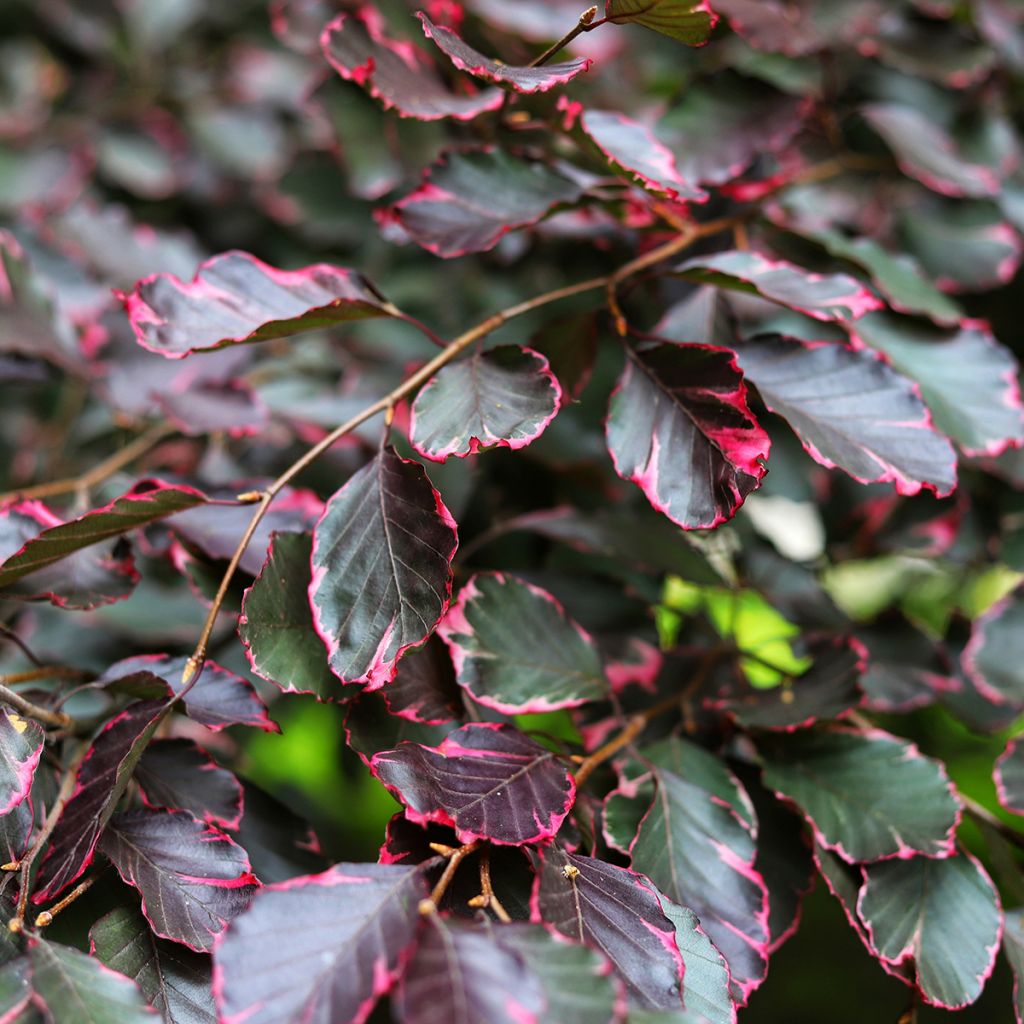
397	73
1009	776
688	21
484	630
697	844
347	931
15	832
276	624
967	379
821	296
469	200
382	576
504	397
16	993
424	687
235	298
926	153
280	844
1013	947
578	983
633	147
71	986
867	796
462	974
177	775
21	746
617	912
942	916
828	689
487	781
522	79
990	658
146	502
102	779
679	427
570	344
370	726
174	980
193	878
851	411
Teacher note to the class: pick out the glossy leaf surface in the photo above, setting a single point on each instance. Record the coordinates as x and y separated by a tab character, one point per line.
21	746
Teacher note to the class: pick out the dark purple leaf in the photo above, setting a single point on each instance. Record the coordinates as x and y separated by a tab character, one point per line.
146	502
828	689
382	574
397	73
503	398
851	411
346	933
236	298
927	153
463	974
688	21
424	687
633	147
15	831
967	379
177	775
1009	777
193	877
21	745
940	916
470	199
697	844
276	624
868	796
220	698
484	630
844	882
280	844
70	986
174	980
522	79
991	657
487	781
618	912
371	726
821	296
102	779
679	427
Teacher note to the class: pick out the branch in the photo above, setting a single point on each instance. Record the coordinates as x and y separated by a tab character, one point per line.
30	710
455	858
585	24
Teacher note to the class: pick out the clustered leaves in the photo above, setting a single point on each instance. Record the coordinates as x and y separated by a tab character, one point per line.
689	518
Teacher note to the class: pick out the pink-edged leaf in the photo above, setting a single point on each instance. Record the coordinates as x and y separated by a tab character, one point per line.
991	657
697	844
16	830
967	379
941	916
927	153
220	698
280	844
396	72
102	779
1013	947
487	781
16	992
868	796
521	79
503	398
371	726
484	630
382	575
346	932
828	689
1009	776
276	624
174	980
424	687
21	745
178	775
632	146
146	502
469	200
235	298
462	973
618	912
688	21
679	427
821	296
69	985
193	878
851	411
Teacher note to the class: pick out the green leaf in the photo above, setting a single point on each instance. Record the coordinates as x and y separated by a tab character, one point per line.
688	21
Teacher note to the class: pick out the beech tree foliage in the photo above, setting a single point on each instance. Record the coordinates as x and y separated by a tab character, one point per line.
612	413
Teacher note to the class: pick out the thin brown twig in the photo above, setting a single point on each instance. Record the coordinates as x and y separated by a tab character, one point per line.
46	917
7	633
585	24
55	718
121	458
455	858
487	897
